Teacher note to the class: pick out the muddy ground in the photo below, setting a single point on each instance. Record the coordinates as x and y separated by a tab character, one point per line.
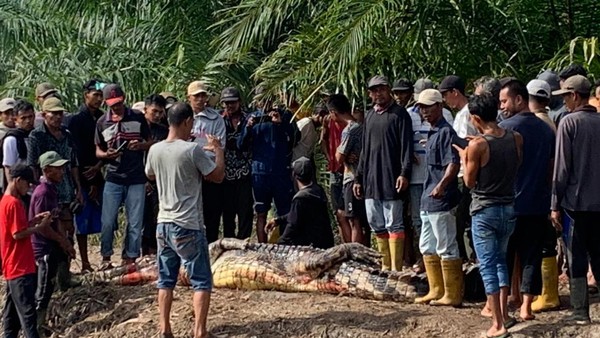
123	312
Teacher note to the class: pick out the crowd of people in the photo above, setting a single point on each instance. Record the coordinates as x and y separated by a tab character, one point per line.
497	182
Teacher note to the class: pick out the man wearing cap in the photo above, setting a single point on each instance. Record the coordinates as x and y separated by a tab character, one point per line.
43	91
532	188
421	129
403	91
307	223
571	70
14	143
574	188
50	245
237	185
440	196
121	138
270	135
539	98
452	88
309	136
7	106
208	121
53	136
556	106
82	126
384	170
18	262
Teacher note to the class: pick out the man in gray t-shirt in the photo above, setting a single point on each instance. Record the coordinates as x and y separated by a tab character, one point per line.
179	167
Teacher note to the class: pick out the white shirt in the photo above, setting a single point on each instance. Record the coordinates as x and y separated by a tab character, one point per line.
11	155
308	138
463	127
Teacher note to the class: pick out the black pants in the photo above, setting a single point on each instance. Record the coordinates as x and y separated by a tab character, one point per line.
150	216
584	242
550	241
47	267
463	222
237	201
212	202
19	307
526	242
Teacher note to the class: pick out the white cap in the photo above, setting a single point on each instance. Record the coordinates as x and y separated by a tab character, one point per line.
7	104
539	88
429	97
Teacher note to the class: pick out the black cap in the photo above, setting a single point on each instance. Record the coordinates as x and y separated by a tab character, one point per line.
23	172
572	70
230	94
452	82
506	80
93	84
402	85
378	80
303	169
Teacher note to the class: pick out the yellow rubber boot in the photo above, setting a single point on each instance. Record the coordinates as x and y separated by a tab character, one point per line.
453	283
273	236
548	300
396	243
383	246
434	278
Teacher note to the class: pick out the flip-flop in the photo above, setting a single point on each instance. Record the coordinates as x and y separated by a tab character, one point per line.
505	335
510	323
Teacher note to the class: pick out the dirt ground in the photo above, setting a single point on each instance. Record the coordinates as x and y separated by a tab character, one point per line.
123	312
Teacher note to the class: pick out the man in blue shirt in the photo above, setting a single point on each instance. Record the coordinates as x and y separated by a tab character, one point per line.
440	195
271	135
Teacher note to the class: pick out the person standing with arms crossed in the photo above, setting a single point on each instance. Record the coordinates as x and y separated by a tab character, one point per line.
179	167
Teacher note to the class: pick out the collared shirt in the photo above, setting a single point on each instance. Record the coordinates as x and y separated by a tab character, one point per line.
532	185
440	154
420	131
41	140
44	198
577	163
208	122
83	130
127	169
238	164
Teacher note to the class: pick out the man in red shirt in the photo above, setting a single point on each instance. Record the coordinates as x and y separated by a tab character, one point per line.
18	264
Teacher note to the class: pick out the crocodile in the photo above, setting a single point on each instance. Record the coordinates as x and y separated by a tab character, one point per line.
348	269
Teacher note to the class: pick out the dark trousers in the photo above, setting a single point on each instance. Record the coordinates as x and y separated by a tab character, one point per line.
238	201
526	242
463	222
47	267
583	243
19	307
212	202
550	241
150	216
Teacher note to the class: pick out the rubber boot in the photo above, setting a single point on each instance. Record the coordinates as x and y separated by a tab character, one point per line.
383	246
433	269
579	301
453	283
548	300
396	252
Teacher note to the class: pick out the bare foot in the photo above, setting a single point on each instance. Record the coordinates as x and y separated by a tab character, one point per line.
526	316
486	311
495	332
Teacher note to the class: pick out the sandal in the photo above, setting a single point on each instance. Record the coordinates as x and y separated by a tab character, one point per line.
510	323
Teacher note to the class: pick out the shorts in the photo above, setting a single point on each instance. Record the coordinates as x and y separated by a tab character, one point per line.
89	220
277	188
353	207
178	245
337	190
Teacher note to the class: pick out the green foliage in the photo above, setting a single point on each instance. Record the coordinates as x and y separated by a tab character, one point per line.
584	51
147	46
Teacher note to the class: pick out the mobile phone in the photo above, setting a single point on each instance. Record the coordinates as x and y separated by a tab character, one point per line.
263	119
459	141
123	146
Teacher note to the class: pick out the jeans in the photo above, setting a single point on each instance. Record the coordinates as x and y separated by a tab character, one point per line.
133	196
19	307
526	243
238	202
583	243
177	245
385	216
438	235
492	227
